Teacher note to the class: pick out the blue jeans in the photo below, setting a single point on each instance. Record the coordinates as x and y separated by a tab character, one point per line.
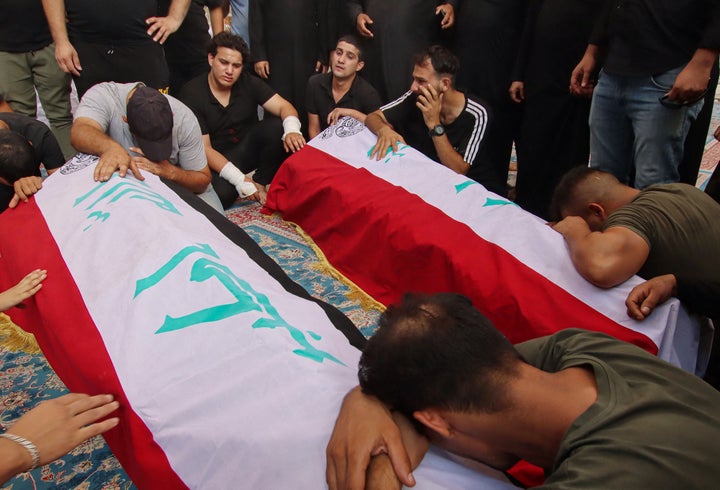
239	24
630	127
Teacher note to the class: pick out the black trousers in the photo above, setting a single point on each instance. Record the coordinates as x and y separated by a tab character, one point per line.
260	150
143	62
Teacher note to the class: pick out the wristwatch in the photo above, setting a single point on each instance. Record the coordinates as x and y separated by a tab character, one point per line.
438	130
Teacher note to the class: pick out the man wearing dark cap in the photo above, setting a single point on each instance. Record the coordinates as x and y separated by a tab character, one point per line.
131	126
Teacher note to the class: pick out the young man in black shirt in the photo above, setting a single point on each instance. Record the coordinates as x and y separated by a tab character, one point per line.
25	144
433	117
113	41
225	103
340	92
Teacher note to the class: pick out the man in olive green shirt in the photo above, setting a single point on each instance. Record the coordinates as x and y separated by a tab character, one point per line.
592	411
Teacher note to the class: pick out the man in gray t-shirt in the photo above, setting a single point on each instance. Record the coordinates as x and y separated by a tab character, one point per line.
130	126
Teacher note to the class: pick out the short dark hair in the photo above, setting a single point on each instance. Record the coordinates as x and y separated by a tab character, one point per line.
352	39
569	193
437	351
443	61
228	40
17	159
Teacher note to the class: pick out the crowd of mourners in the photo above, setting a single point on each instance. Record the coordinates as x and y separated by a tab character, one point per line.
607	103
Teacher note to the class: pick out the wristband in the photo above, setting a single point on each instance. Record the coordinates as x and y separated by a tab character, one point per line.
291	124
29	447
233	175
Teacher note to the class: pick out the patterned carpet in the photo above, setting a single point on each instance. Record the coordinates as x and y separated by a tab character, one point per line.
26	379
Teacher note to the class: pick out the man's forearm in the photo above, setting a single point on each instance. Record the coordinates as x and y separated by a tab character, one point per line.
87	138
705	59
178	9
216	160
287	110
217	20
448	156
196	181
604	258
375	122
13	460
381	475
55	14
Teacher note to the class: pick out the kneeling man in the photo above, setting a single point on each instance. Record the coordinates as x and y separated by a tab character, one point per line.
131	126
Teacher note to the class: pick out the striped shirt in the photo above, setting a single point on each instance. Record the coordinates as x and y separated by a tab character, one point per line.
465	133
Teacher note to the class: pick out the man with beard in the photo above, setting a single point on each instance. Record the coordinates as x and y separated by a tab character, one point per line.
433	117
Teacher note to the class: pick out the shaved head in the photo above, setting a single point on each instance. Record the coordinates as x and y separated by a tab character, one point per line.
578	188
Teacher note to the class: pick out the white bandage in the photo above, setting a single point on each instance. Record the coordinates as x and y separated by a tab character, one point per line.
291	124
233	175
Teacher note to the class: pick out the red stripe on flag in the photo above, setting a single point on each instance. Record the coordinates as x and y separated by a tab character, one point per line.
389	241
73	346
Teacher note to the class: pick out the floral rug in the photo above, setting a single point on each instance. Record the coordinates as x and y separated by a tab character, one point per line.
26	379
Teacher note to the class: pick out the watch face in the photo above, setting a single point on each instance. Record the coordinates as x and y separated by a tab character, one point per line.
438	130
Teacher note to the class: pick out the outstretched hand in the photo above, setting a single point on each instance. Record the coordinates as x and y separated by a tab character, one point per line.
293	142
117	159
387	141
59	425
27	286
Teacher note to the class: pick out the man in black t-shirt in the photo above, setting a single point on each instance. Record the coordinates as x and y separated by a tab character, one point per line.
341	91
113	41
433	117
21	154
186	49
225	103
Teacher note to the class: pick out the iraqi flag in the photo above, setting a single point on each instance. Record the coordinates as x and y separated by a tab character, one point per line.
229	374
406	223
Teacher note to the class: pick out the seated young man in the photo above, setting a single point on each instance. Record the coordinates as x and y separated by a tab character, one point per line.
593	411
443	123
341	91
225	102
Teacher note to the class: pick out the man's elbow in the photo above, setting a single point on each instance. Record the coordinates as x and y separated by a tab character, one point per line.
374	121
200	182
461	168
204	180
603	275
76	134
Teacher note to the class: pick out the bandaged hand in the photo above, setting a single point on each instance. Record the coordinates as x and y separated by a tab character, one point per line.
233	175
